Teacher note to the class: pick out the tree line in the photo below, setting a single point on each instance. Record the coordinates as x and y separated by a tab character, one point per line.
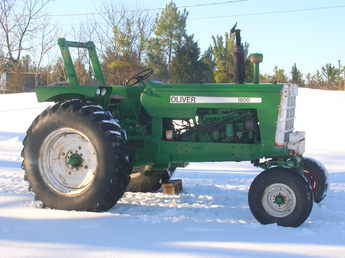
329	77
127	42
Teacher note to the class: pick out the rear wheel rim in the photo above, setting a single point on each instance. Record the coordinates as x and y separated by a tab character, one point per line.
68	161
279	200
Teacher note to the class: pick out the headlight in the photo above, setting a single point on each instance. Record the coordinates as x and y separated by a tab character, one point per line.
98	92
103	91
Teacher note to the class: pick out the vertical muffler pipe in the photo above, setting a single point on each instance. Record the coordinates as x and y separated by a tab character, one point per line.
238	56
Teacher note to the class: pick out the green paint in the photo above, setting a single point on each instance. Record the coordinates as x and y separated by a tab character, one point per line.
256	59
229	130
75	160
279	199
69	66
144	111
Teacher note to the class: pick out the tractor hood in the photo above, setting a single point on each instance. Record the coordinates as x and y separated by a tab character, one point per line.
162	99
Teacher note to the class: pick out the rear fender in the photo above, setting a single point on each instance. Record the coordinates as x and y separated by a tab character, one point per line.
97	94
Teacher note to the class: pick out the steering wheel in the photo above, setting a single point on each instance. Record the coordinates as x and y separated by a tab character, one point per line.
141	76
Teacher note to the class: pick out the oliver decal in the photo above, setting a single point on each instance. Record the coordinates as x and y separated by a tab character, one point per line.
212	100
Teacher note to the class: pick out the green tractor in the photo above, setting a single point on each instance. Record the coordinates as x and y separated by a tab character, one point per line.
100	141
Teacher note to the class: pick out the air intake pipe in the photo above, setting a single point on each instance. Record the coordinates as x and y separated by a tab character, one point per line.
256	59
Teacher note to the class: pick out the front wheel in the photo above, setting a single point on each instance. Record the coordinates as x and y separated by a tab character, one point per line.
281	196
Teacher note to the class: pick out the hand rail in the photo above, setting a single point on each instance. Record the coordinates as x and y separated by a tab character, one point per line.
68	63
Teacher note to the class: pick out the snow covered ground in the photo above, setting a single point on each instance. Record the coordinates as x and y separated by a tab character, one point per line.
210	219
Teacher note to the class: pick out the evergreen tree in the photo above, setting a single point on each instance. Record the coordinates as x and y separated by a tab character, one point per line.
296	76
209	64
223	51
330	73
121	61
57	72
187	66
156	59
170	30
118	68
278	75
317	79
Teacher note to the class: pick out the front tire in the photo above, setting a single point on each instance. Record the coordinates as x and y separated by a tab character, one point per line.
317	178
75	158
281	196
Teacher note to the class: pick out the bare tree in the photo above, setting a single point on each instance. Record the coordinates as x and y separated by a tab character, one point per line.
81	33
84	32
121	27
111	16
145	28
20	21
46	39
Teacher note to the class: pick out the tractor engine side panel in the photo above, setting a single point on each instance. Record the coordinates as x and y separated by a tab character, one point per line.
215	126
175	102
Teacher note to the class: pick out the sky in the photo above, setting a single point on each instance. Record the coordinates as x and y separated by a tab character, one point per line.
308	38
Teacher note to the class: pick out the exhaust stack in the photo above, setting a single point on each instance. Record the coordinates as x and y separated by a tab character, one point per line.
238	56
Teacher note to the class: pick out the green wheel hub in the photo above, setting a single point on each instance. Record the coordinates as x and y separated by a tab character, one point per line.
75	160
279	199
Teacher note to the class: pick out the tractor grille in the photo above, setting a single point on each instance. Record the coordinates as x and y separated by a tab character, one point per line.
286	116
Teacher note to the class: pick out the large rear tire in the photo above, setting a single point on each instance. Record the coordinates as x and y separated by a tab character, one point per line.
75	158
281	196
